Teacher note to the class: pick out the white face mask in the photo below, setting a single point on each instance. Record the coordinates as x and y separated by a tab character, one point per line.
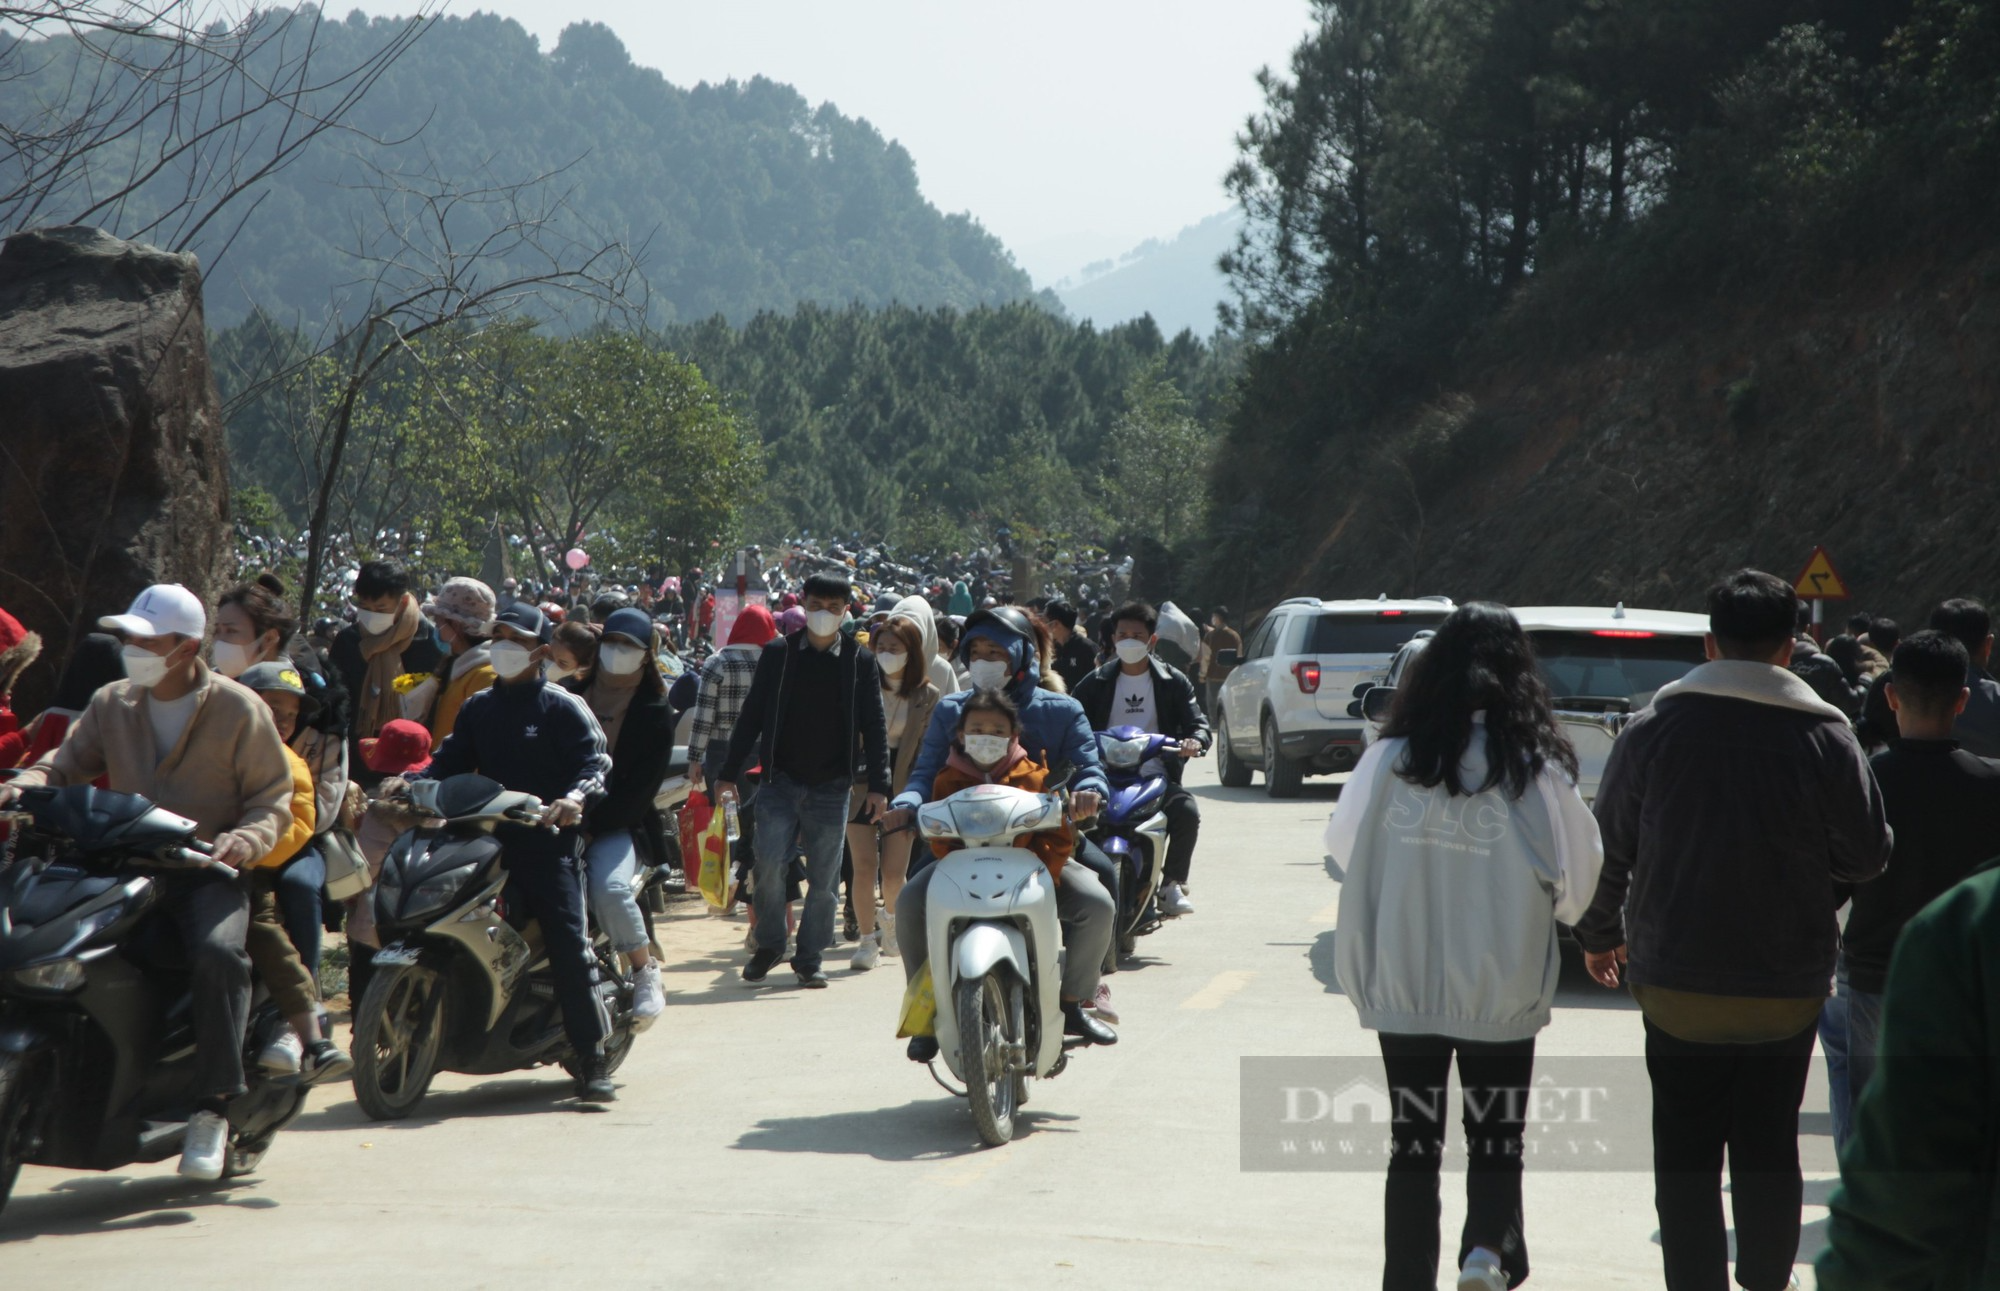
891	663
988	674
823	623
145	668
621	660
228	658
1131	651
552	673
510	659
374	622
987	750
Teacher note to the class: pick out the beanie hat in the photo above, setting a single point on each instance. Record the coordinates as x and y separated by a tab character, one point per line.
466	603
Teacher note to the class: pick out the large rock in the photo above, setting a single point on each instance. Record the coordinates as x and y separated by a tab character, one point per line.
113	467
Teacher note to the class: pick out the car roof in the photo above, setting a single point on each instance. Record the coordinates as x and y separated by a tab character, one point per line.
1433	605
1602	618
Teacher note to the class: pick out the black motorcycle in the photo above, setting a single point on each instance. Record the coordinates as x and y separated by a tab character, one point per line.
96	1020
462	982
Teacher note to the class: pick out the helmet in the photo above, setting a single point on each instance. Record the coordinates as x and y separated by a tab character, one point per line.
1009	618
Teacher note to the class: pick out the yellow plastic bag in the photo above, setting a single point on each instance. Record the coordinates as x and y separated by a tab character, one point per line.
919	1006
704	827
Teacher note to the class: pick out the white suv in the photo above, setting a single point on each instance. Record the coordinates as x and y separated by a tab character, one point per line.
1601	665
1290	708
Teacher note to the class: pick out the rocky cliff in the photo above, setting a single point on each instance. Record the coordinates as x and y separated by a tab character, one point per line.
113	471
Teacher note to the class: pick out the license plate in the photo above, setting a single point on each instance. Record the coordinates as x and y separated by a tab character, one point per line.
395	956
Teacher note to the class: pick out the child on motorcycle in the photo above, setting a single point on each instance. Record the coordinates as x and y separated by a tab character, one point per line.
986	749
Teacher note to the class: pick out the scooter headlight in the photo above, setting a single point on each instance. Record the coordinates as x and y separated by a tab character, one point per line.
432	894
56	977
980	819
1124	754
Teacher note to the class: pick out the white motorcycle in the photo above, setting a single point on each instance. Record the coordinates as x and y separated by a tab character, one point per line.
995	949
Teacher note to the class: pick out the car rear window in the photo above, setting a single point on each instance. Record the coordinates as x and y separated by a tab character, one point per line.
1614	667
1381	633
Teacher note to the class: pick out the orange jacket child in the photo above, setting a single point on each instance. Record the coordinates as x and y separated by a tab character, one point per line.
1020	771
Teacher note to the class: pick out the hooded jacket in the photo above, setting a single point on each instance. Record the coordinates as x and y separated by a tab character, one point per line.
1732	810
918	611
1054	728
1449	906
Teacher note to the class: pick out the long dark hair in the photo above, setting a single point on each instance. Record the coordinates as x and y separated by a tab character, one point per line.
1480	660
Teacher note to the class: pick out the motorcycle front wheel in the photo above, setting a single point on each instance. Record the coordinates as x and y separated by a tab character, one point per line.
18	1088
398	1037
990	1041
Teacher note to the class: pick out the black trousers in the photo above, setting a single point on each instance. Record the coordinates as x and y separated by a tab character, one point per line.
1495	1079
1183	827
545	874
212	915
1743	1098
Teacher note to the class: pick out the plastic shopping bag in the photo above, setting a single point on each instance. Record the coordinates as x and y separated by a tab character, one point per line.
919	1006
702	825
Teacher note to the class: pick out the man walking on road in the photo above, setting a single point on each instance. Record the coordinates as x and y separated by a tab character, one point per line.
1219	637
814	720
1970	623
1731	809
1138	688
1944	806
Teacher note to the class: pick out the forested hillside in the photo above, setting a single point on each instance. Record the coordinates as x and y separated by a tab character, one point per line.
735	198
1555	301
926	426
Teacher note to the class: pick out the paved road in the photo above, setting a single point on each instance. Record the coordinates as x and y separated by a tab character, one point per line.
767	1134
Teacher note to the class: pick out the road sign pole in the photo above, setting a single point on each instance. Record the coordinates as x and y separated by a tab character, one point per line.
1819	620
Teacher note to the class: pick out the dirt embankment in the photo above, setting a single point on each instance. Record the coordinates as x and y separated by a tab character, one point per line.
1864	416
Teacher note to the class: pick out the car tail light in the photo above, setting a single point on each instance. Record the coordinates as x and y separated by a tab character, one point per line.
1308	676
1625	634
1388	614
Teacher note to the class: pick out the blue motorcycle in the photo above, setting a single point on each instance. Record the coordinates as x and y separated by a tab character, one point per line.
1132	829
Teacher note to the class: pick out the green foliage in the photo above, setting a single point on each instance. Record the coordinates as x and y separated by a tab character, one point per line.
1443	182
1157	460
737	197
928	426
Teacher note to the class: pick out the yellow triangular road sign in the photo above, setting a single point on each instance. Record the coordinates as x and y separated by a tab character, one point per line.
1820	581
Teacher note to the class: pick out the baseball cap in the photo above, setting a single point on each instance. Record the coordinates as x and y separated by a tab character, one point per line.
402	747
629	622
261	677
523	617
161	609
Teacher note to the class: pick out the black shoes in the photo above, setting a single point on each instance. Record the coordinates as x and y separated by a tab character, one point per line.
325	1061
812	979
594	1086
1078	1023
760	964
922	1048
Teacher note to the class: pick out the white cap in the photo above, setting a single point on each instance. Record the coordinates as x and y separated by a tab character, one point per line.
161	609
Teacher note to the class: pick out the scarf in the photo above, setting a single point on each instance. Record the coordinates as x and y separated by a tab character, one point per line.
609	697
382	653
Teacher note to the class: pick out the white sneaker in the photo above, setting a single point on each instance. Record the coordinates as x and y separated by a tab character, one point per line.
1173	902
648	996
1482	1272
205	1147
283	1056
885	924
868	953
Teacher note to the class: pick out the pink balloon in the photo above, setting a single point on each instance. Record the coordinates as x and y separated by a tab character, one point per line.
577	558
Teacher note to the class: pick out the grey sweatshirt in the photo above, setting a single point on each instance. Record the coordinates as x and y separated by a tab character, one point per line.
1449	907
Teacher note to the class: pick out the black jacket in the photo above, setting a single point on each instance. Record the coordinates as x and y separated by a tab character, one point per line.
1733	812
1944	805
771	698
1174	701
1074	660
638	763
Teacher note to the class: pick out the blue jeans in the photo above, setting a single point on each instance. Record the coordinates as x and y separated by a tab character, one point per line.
613	863
792	817
298	891
1848	1027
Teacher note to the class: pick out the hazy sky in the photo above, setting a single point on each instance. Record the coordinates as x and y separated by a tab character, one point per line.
1071	130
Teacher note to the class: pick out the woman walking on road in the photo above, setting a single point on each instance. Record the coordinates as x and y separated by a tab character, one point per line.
1464	842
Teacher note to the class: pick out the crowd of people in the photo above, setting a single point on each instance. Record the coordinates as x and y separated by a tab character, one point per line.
1737	814
1749	803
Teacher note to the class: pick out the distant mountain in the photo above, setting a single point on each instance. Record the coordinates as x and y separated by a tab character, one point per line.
1175	281
743	197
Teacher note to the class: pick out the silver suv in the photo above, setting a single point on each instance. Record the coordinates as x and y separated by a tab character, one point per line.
1289	708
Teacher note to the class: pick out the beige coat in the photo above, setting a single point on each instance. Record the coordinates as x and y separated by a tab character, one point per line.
228	774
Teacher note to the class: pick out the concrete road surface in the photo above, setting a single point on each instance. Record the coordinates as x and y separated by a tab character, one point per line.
773	1136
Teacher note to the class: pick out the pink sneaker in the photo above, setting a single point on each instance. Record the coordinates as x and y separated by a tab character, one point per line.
1100	1004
